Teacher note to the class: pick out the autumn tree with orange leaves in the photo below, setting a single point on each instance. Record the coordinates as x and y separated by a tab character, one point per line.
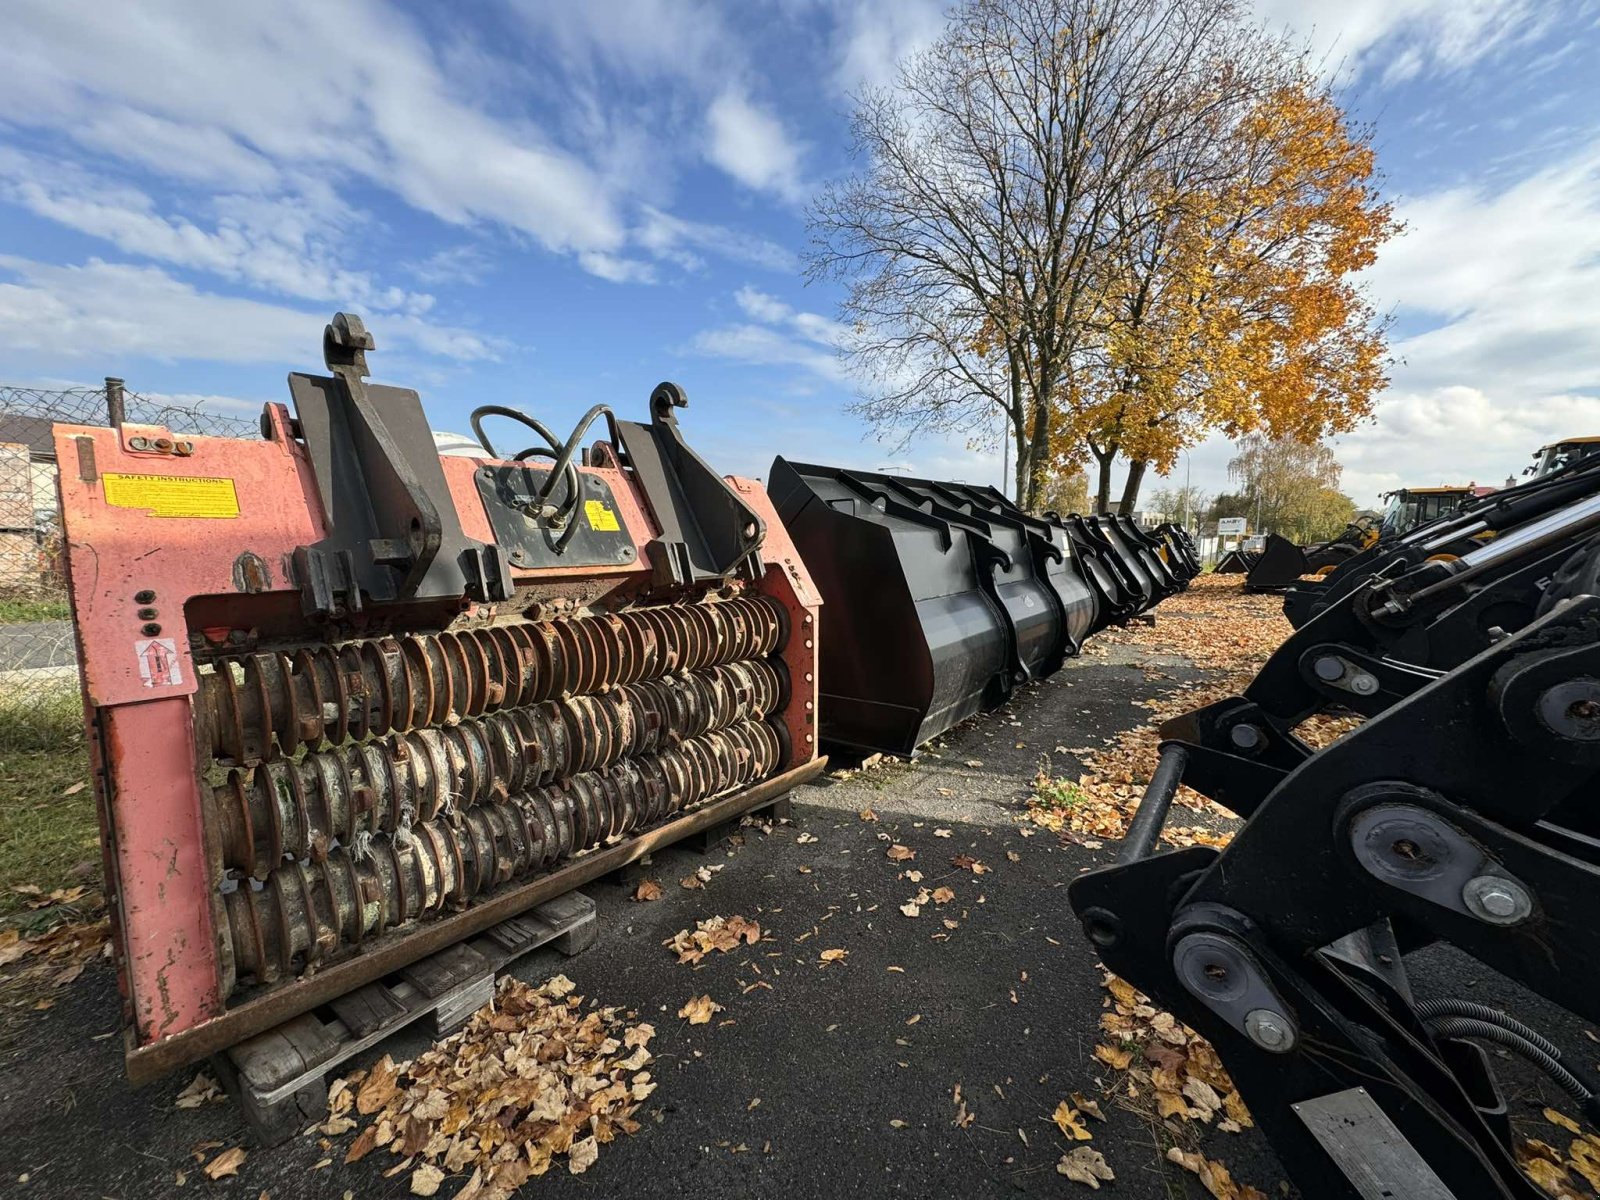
1236	305
1117	225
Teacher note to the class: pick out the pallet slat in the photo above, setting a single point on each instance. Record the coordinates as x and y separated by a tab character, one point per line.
277	1076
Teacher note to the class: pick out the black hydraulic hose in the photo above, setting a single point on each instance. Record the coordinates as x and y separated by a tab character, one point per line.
500	410
564	459
1466	1027
564	464
1432	1010
563	468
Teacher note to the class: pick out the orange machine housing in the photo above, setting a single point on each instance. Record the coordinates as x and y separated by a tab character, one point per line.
303	785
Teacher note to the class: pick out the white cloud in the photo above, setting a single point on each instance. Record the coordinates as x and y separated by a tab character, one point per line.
104	310
680	241
784	337
281	245
762	306
1403	38
466	263
350	89
872	36
752	146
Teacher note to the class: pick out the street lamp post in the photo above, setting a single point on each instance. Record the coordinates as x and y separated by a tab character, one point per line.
1186	467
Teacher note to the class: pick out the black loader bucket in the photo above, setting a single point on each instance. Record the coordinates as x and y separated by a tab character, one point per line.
938	599
1120	588
1280	566
1235	562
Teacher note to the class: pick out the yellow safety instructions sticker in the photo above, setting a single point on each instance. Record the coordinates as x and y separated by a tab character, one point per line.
173	495
601	518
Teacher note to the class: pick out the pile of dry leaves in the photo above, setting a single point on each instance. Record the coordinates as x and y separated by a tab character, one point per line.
1219	627
55	953
1552	1170
531	1076
721	934
1167	1072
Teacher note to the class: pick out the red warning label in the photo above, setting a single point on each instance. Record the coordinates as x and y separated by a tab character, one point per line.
158	662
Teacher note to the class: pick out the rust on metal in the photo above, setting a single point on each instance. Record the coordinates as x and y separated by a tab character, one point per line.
147	1063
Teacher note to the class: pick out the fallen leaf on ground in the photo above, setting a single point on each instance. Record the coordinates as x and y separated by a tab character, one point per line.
833	956
1114	1056
699	1010
899	853
1067	1120
202	1089
1213	1176
943	895
1085	1165
226	1163
648	889
942	833
425	1180
721	934
909	908
805	839
1561	1119
966	862
866	814
1087	1106
583	1155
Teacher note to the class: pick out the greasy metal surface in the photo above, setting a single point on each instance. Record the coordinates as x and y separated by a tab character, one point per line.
149	1062
278	701
307	911
305	806
509	493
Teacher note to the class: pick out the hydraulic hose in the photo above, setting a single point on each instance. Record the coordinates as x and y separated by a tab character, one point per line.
1431	1010
563	467
1466	1027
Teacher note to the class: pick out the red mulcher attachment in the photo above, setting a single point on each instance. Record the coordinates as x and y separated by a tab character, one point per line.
350	702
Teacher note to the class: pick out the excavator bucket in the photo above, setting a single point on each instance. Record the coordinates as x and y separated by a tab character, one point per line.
1279	566
939	598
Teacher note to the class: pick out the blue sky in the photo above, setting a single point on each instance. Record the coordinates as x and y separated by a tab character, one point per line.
547	204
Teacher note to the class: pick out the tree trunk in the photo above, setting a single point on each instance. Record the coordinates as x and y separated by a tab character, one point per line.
1102	494
1024	462
1130	490
1038	458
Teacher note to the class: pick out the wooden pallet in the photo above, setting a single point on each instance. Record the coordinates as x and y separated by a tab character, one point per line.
279	1078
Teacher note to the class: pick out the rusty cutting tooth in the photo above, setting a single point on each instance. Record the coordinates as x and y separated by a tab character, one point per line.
272	703
301	807
306	912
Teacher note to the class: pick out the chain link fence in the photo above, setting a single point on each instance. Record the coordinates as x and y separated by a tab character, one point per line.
38	656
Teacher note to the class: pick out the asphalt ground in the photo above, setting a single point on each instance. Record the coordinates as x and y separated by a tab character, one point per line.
854	1065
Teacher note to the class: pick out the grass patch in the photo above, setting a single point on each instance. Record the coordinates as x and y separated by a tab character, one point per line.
18	610
1061	794
44	833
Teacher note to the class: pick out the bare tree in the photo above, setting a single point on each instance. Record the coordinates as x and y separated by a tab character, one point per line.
997	181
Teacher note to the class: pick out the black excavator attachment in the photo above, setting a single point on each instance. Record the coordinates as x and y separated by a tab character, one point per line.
1463	810
939	599
1452	537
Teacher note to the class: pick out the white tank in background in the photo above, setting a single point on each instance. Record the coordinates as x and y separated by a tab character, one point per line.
458	445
